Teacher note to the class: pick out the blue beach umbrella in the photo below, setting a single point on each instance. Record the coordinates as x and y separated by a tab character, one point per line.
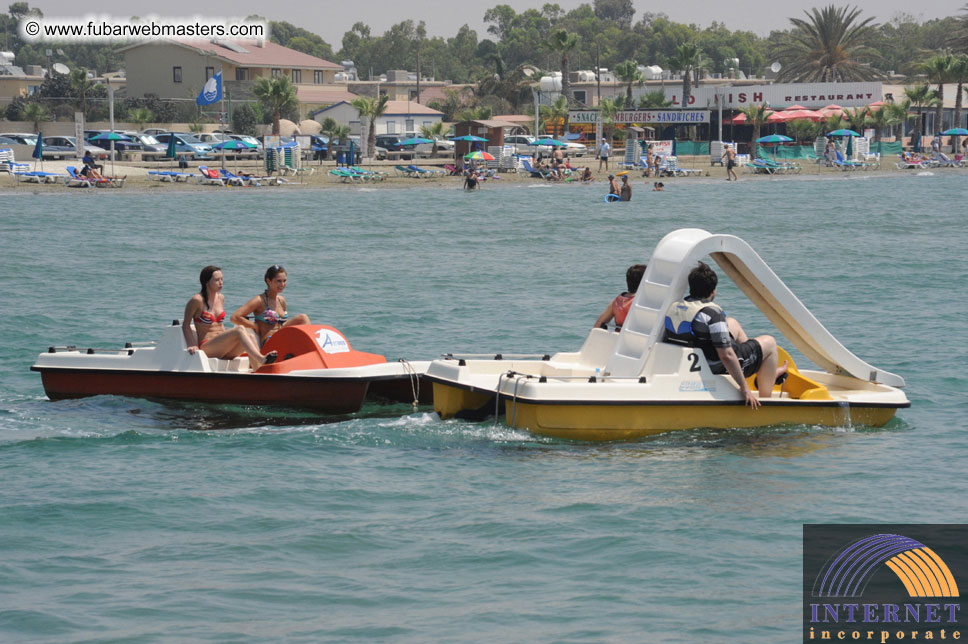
38	152
774	140
850	134
470	138
232	144
955	131
112	137
417	140
552	142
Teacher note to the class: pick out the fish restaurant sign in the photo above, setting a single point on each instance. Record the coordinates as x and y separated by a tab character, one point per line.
780	95
664	117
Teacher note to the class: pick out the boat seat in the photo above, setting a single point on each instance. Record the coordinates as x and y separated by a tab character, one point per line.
233	365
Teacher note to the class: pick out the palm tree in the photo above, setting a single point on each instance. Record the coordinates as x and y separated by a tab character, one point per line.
435	131
628	72
140	116
371	109
609	108
959	74
81	85
898	113
35	113
277	95
939	68
920	97
802	129
857	119
828	47
555	113
756	115
563	42
686	62
880	120
476	113
653	100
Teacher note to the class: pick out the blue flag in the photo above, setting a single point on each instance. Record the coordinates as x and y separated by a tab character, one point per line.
212	92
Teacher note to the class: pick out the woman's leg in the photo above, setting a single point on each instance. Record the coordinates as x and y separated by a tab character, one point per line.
232	343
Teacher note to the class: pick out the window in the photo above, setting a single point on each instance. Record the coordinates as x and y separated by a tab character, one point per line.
276	72
391	127
209	72
427	124
241	73
297	75
409	124
580	96
318	77
413	95
176	75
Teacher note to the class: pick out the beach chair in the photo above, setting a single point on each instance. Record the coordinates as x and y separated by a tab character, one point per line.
343	175
909	164
209	177
37	177
369	175
757	166
534	172
452	170
672	163
843	164
941	160
74	180
8	164
404	171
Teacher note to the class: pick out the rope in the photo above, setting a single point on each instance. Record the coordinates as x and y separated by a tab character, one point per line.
414	381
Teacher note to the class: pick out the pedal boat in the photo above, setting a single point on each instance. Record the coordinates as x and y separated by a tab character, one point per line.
629	384
316	368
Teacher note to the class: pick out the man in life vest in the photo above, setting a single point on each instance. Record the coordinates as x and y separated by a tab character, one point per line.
698	321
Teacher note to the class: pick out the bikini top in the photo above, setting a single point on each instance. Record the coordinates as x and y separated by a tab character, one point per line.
270	316
207	318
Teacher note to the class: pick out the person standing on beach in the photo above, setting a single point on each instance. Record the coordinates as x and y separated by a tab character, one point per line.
729	154
603	151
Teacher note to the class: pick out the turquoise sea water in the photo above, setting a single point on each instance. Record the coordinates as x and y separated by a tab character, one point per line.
119	522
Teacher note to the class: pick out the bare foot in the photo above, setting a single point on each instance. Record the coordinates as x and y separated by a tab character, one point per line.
782	369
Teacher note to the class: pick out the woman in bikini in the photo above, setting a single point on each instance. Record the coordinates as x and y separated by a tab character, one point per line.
207	310
268	309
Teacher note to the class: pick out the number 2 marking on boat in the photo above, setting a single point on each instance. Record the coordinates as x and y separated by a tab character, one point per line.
694	359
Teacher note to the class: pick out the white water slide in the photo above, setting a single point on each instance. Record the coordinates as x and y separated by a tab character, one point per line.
665	282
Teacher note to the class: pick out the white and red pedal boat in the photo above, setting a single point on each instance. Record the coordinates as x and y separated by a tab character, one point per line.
316	368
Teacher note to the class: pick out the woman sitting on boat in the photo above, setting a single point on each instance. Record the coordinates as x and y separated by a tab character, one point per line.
207	310
268	309
619	308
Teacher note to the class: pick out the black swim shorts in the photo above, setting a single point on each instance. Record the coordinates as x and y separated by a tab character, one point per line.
730	164
749	354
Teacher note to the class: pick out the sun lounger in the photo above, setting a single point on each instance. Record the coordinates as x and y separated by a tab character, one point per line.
910	164
346	176
74	180
168	176
426	172
756	166
404	171
941	160
38	177
209	177
535	172
672	167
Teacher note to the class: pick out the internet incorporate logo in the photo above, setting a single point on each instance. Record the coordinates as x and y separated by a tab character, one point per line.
907	587
922	572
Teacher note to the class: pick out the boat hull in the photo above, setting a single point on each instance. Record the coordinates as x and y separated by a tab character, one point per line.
609	422
329	395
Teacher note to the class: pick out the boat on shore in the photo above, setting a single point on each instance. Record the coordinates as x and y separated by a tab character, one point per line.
316	369
633	383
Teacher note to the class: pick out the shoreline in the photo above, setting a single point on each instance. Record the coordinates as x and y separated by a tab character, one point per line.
137	176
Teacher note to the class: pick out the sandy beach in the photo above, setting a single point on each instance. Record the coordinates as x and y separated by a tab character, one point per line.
137	177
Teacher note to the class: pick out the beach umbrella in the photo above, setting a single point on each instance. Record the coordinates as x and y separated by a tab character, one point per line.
172	151
112	137
955	131
470	138
415	141
232	144
38	152
850	134
478	155
552	142
774	140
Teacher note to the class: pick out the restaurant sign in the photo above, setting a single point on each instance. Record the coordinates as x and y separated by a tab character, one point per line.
662	117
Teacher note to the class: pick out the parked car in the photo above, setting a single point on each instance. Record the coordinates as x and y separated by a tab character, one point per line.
6	140
258	150
212	137
186	143
154	131
523	144
574	149
119	146
20	138
391	143
61	147
444	148
379	152
151	146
